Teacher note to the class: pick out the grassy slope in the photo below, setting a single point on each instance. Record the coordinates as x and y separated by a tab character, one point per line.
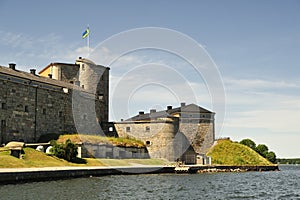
94	139
226	152
35	158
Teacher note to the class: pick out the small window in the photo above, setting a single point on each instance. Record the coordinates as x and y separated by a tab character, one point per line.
111	129
82	86
13	90
84	117
60	114
127	129
26	109
3	106
44	111
82	67
72	82
147	128
148	142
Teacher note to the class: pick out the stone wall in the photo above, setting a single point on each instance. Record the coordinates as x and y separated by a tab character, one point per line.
157	135
29	110
110	151
31	106
172	139
200	134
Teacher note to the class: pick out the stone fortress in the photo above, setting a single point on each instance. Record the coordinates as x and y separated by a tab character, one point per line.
74	98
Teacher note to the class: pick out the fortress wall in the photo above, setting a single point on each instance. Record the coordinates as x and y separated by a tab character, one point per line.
28	111
200	134
157	135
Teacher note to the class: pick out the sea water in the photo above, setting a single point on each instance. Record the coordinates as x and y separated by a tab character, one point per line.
283	184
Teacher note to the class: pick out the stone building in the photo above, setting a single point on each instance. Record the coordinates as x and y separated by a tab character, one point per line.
62	98
174	134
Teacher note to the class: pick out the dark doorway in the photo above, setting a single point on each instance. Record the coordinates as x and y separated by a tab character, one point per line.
3	132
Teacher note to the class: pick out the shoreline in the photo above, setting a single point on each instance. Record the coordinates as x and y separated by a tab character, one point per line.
21	175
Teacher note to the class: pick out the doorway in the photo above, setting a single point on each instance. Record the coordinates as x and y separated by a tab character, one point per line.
3	132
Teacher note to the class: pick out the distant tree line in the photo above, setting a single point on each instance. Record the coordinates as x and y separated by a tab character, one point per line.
262	149
292	161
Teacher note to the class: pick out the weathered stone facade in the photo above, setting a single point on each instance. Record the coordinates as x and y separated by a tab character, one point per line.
157	135
110	151
32	105
174	134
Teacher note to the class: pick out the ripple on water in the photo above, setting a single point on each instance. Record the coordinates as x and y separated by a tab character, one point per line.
250	185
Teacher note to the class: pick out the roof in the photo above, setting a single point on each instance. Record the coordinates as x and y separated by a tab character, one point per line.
169	113
57	63
15	145
35	77
189	108
148	116
71	64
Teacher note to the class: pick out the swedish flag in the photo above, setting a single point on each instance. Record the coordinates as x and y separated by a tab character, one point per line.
86	33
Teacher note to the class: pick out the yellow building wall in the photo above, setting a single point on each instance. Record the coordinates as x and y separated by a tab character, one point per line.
45	72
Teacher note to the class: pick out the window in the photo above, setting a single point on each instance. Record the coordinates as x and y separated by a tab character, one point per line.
44	111
3	106
148	142
127	129
60	114
111	129
147	128
26	109
82	86
82	67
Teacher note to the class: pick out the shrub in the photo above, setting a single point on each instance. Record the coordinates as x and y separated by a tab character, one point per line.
262	150
248	143
271	156
67	150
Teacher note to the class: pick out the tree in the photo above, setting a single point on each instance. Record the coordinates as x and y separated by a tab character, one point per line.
271	156
67	150
248	143
262	150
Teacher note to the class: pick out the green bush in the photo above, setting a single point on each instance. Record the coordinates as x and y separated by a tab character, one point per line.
67	150
248	143
262	150
271	156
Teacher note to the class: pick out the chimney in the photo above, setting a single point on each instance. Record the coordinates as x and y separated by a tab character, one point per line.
169	107
12	66
152	110
32	71
182	104
50	76
141	113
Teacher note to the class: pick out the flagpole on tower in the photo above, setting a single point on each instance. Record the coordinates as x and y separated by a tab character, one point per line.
86	34
88	39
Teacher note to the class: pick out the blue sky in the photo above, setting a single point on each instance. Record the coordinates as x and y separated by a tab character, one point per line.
255	45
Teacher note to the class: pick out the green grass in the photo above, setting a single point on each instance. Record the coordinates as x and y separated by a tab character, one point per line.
226	152
33	158
94	139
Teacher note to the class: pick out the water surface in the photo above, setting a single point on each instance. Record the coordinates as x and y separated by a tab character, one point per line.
284	184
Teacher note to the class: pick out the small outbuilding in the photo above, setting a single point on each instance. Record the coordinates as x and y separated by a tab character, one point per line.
16	148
